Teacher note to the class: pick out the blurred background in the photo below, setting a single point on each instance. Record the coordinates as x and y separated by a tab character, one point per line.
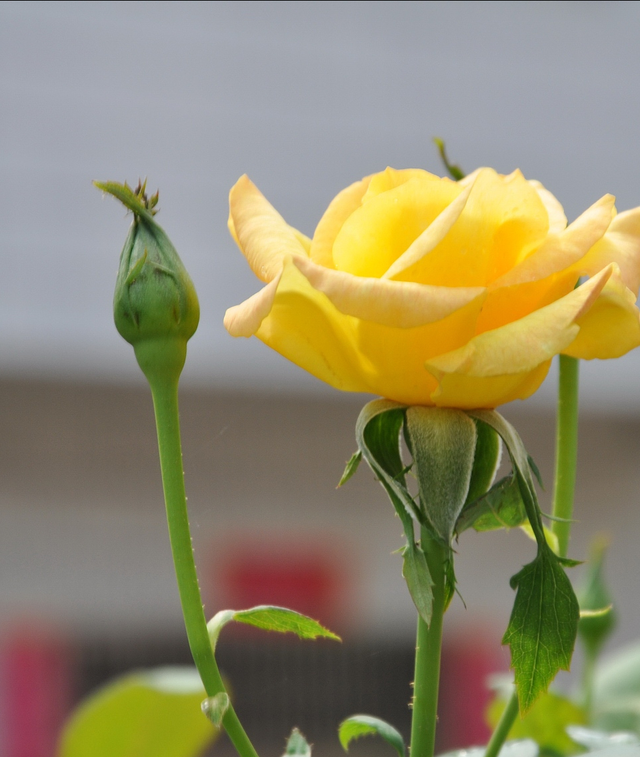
305	97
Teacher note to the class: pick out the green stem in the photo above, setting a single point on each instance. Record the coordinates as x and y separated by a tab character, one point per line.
566	451
501	732
563	494
165	403
428	649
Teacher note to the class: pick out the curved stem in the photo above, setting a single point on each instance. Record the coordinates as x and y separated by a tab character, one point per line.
501	732
563	495
566	451
428	649
165	403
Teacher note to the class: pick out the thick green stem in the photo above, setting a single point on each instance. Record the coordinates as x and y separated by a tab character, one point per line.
566	451
165	402
563	494
428	649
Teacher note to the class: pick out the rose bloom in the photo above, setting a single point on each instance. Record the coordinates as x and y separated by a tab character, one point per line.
429	291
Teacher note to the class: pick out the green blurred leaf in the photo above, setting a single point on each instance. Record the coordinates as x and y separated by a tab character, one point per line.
269	618
145	714
419	582
546	722
297	745
350	468
542	628
594	594
365	725
616	691
500	507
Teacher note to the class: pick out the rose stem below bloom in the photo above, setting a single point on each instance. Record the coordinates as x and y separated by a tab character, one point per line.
566	451
165	403
563	494
428	649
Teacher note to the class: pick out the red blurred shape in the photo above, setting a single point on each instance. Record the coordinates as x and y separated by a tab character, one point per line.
306	579
35	672
468	660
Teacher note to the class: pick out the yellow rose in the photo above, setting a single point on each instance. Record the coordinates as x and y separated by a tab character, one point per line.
434	292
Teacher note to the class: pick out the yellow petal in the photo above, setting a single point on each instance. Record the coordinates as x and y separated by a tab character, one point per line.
560	251
458	390
430	237
507	304
245	319
555	211
260	231
391	178
611	326
621	245
340	208
379	231
396	304
397	356
350	353
523	345
502	220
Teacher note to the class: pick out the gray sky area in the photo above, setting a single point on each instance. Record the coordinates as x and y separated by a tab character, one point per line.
305	97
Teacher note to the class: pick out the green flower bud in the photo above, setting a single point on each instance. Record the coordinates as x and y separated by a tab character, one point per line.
155	305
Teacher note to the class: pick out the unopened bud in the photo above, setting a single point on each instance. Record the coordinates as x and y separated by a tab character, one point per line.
155	305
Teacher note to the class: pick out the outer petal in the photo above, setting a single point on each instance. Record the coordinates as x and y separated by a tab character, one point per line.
397	304
555	211
517	349
611	327
621	245
563	250
260	231
306	325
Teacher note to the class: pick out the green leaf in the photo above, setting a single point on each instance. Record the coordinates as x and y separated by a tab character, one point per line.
378	437
443	444
416	573
546	722
146	714
269	618
365	725
521	748
297	745
543	626
350	468
551	539
544	621
215	708
500	507
485	462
